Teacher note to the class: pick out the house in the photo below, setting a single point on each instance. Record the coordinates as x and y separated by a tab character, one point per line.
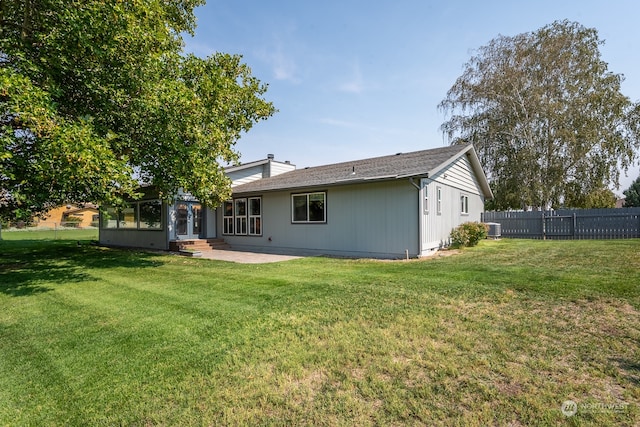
149	223
83	216
385	207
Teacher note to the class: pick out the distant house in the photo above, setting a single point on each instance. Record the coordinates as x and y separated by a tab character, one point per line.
69	215
383	207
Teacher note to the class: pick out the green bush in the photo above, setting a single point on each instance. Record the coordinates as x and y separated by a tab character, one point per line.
468	234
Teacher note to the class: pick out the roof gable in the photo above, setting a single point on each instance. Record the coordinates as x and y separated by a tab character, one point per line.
401	165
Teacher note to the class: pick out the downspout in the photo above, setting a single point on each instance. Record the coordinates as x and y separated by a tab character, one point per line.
414	183
420	214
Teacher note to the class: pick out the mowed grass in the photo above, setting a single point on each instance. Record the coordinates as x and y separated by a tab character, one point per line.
500	334
44	234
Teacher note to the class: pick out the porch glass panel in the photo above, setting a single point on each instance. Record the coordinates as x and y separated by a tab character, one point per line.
151	215
197	219
129	217
182	216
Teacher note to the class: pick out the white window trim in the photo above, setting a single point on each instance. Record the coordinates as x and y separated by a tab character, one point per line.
241	227
236	221
464	204
307	221
256	219
426	200
228	219
439	200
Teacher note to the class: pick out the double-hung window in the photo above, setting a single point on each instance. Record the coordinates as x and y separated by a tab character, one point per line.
464	204
240	206
227	217
425	208
255	216
439	200
242	217
309	207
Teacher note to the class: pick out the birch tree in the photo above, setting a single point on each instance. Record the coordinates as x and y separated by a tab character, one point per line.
546	116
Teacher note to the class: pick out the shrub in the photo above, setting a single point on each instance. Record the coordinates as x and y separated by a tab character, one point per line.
468	234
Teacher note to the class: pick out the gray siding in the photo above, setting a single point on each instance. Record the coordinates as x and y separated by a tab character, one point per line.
149	239
459	175
454	181
259	171
277	168
244	176
377	220
210	228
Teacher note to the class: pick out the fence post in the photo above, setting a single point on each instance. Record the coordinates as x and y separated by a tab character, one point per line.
573	226
544	226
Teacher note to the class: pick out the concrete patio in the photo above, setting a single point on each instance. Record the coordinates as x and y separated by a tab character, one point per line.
245	257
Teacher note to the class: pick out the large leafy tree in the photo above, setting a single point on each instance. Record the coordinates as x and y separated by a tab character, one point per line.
602	198
632	194
547	118
98	96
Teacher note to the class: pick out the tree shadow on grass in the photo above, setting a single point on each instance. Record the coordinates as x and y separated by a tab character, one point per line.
631	370
28	268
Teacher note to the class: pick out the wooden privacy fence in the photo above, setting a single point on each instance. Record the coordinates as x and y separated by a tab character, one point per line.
623	223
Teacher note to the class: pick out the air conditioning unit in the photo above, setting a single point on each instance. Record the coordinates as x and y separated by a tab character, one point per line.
495	230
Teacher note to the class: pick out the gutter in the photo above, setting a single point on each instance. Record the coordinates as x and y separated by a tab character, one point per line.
414	183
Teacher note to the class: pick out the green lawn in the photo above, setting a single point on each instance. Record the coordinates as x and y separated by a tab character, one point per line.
501	334
43	234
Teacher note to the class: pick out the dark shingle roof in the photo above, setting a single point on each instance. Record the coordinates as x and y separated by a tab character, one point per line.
400	165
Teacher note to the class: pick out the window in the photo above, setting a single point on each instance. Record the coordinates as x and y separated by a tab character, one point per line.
242	217
240	206
182	219
308	207
255	216
439	200
426	200
150	215
110	217
300	211
464	204
196	211
129	217
144	215
227	217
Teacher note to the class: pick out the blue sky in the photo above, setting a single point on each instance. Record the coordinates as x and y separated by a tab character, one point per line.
354	79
